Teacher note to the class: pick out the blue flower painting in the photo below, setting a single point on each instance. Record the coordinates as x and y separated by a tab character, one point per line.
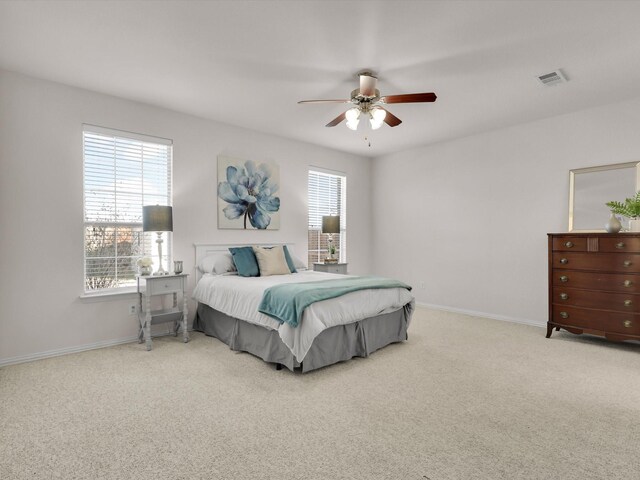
247	194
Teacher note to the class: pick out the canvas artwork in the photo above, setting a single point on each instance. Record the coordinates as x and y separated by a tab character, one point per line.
247	194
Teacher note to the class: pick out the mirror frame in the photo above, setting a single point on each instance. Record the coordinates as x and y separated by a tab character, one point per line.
572	180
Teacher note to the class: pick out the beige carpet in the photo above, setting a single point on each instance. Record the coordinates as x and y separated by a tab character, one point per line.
464	398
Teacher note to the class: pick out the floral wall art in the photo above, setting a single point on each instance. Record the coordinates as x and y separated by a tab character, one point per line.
247	194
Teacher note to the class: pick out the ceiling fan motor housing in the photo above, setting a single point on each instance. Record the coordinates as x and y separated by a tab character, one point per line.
362	101
368	84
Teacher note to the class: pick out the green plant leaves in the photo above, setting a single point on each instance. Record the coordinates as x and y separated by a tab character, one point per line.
630	208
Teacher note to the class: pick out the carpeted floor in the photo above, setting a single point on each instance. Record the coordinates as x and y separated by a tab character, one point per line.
464	398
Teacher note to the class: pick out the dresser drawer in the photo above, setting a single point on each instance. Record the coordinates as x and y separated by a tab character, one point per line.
601	320
625	324
605	262
619	244
570	244
160	285
573	317
609	282
626	303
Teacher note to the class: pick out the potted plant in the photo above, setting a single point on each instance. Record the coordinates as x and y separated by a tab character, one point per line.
630	209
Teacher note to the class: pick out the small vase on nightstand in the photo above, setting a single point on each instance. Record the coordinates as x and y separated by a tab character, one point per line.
144	271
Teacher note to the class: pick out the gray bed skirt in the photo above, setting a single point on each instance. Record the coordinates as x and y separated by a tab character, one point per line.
335	344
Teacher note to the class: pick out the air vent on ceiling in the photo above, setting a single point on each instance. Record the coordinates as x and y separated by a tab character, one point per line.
552	78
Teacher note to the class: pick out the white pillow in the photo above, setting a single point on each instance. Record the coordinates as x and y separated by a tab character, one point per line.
217	263
271	261
299	264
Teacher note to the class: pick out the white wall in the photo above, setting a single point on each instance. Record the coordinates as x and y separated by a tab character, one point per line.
474	213
41	243
467	218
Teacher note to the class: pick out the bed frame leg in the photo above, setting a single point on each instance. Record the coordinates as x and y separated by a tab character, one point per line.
278	366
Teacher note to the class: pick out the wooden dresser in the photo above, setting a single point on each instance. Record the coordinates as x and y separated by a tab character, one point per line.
594	284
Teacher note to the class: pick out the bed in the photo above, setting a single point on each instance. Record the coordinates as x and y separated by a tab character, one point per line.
355	324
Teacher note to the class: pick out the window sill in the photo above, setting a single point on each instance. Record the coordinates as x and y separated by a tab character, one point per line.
110	294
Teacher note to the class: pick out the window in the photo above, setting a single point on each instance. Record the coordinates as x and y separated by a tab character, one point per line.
122	172
327	196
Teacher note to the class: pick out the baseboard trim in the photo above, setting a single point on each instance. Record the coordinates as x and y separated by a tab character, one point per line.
110	343
475	313
64	351
80	348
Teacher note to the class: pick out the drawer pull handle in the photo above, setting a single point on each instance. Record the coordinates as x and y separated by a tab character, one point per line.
628	303
568	244
620	245
564	278
627	283
564	261
564	314
627	263
564	296
627	323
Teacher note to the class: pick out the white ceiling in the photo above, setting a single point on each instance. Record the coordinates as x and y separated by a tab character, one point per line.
248	63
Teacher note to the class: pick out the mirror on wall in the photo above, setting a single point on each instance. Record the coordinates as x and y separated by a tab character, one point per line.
591	188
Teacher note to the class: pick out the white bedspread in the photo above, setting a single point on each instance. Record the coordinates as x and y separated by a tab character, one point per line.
239	297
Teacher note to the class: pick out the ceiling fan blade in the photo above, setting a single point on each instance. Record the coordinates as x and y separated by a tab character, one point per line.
324	101
336	120
409	98
368	85
390	119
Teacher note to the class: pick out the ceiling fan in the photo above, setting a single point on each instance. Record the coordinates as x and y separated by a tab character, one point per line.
367	100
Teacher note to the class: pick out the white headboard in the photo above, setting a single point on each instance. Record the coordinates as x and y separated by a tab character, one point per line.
204	249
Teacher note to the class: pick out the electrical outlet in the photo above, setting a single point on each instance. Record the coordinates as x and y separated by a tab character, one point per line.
422	286
133	309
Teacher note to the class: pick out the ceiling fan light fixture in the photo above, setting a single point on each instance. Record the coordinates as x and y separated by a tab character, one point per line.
353	117
367	99
377	117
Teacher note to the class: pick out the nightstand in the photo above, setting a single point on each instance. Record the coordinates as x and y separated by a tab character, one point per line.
151	286
340	268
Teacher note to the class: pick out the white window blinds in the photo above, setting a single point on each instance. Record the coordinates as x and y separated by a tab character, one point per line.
122	172
327	196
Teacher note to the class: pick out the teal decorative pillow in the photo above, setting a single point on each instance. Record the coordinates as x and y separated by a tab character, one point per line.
289	260
245	261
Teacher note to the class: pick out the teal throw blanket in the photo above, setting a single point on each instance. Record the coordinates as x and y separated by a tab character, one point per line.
287	302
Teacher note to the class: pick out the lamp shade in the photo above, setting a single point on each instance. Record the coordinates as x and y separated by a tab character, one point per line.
157	218
331	224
